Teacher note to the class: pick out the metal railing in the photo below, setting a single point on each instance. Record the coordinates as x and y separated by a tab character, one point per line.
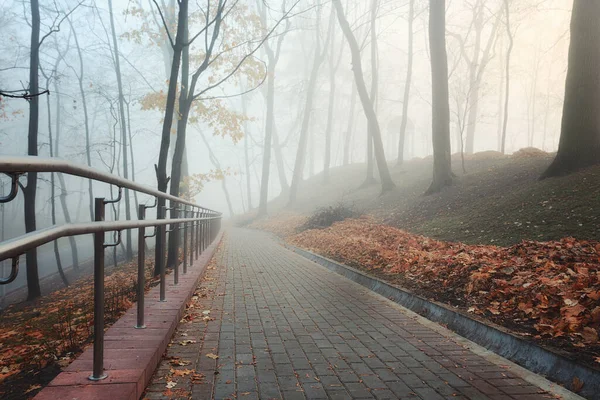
202	224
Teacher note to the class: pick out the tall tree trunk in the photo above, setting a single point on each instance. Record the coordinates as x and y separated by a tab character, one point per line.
266	167
579	144
273	59
312	82
327	160
333	67
59	266
215	162
477	65
88	153
473	98
507	80
407	83
123	122
246	157
442	171
532	101
370	178
63	186
500	99
161	167
184	113
285	187
350	126
135	196
29	192
384	173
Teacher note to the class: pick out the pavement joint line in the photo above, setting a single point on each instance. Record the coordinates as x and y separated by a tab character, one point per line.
524	373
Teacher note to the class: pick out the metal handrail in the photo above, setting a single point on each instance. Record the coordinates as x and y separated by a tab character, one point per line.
205	222
22	164
17	246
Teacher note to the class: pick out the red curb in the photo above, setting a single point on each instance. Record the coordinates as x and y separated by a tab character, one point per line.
131	355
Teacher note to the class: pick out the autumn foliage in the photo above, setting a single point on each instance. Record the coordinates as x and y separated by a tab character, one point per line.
57	327
547	290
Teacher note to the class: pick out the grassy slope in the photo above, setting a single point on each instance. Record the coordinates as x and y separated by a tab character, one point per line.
499	200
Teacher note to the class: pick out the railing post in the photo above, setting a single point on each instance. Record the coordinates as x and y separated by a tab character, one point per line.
202	224
163	232
192	225
197	244
98	367
185	244
175	236
141	281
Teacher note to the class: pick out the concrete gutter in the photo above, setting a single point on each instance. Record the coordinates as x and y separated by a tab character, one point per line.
527	354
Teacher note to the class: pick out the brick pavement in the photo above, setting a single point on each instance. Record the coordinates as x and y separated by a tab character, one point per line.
286	328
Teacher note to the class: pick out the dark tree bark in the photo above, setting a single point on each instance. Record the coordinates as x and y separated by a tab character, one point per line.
442	171
579	144
161	167
30	190
184	113
507	80
384	173
407	83
123	126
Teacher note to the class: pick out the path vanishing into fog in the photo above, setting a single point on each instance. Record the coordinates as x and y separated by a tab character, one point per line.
285	327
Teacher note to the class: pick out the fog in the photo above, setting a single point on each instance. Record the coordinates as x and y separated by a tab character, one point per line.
225	142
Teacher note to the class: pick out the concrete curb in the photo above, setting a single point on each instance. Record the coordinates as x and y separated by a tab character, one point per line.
131	355
534	358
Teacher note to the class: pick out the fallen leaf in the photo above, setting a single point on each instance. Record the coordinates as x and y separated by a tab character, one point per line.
213	356
32	388
590	335
171	384
577	385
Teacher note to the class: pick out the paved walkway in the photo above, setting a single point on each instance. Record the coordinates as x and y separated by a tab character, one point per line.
284	327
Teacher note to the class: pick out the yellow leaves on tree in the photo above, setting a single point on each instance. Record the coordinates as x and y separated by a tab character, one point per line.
194	184
224	122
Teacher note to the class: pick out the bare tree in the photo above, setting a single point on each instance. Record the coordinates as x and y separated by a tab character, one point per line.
312	82
350	126
477	62
273	59
30	190
334	63
161	167
384	173
52	181
88	156
122	125
442	172
407	82
509	34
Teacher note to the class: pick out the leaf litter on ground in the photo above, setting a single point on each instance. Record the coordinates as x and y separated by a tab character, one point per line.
548	291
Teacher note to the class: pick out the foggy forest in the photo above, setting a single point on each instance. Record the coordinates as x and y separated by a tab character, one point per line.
443	154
